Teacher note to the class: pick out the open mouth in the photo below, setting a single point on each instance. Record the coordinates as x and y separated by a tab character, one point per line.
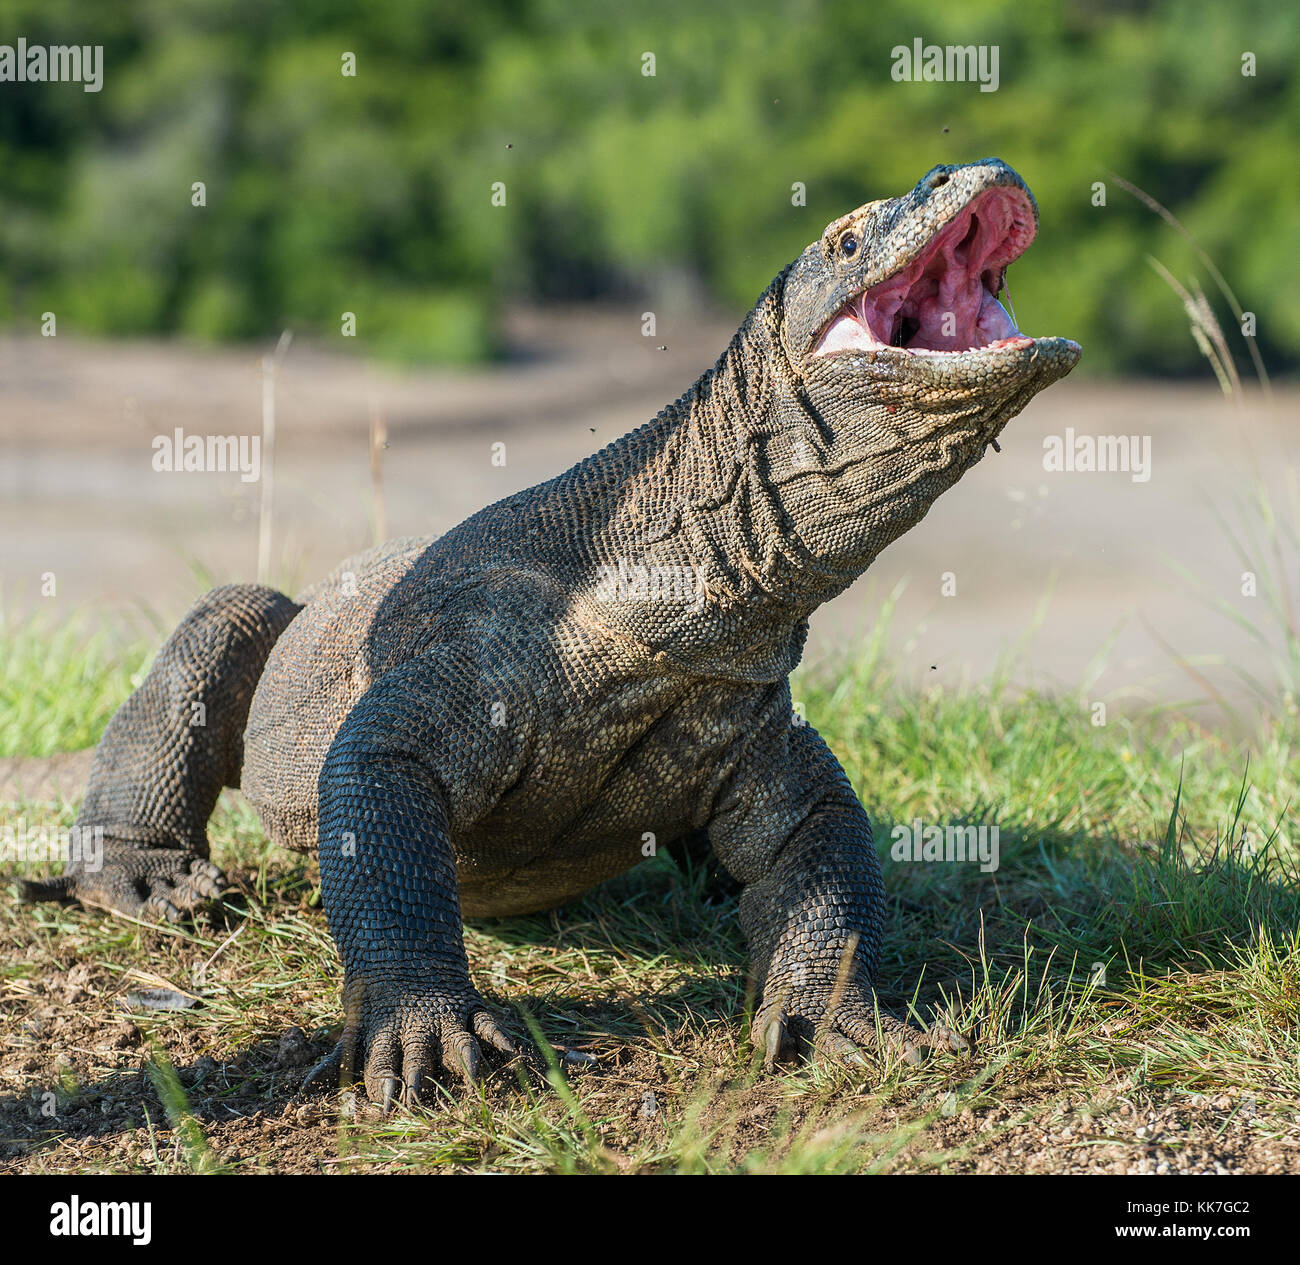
946	300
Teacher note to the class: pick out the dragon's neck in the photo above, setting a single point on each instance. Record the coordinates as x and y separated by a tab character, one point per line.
681	540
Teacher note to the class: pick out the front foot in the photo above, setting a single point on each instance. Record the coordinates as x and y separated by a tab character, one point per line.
151	884
839	1023
400	1030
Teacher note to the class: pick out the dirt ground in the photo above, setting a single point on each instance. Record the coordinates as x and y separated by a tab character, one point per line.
78	1096
1030	1128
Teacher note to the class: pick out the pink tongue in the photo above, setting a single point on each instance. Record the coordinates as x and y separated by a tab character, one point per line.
844	333
994	321
971	328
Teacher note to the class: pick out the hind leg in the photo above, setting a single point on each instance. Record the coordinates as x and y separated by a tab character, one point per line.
164	758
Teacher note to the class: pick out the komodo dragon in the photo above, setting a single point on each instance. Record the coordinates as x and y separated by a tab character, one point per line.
491	722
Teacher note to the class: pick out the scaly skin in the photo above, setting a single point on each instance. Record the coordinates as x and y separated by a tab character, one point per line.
482	725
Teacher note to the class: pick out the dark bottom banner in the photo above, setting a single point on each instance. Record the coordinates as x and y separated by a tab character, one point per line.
47	1213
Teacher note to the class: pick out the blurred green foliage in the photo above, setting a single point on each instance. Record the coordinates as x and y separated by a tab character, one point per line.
371	194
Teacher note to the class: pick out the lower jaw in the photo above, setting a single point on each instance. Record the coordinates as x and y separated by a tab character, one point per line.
1013	340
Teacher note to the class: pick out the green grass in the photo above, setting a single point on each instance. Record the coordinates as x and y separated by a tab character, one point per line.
60	683
1134	963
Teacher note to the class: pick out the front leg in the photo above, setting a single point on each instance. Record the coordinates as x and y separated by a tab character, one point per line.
793	832
415	751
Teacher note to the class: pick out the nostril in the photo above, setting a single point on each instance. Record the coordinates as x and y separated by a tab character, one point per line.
937	178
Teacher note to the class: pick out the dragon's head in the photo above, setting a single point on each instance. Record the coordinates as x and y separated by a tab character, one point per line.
902	364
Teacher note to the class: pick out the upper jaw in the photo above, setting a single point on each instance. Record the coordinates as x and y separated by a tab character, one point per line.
939	279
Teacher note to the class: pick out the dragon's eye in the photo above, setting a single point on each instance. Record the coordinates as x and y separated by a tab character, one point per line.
848	245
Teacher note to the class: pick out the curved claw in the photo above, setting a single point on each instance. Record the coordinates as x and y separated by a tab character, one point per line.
775	1041
417	1067
487	1029
331	1063
158	905
461	1055
380	1068
835	1045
